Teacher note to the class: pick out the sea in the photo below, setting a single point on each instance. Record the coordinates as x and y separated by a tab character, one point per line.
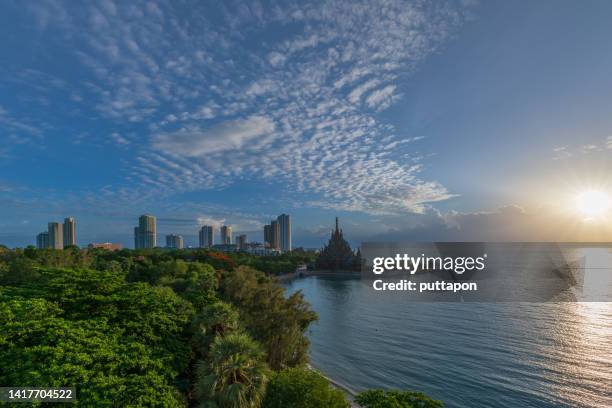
468	355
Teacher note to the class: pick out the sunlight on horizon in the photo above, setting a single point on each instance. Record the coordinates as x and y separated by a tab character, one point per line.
592	204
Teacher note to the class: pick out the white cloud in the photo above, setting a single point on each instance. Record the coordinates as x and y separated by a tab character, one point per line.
302	42
276	59
14	124
509	223
204	220
355	95
297	109
381	98
262	87
120	140
588	148
561	152
229	135
565	152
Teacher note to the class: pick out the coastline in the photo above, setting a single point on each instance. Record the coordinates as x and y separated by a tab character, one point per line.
350	394
319	272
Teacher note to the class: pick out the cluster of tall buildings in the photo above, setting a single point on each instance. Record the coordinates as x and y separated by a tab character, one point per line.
277	234
58	235
174	241
207	236
145	234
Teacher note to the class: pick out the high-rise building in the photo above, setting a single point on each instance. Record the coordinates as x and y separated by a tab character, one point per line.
145	235
226	234
56	239
42	240
137	238
284	221
267	235
69	231
206	236
274	234
241	241
174	241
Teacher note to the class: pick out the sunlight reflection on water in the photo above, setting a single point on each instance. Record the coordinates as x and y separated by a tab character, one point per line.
468	355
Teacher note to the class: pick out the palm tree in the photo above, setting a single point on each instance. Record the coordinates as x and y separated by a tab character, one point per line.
217	319
234	375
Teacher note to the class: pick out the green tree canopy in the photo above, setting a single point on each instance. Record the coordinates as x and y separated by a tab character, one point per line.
396	399
216	319
118	342
235	374
302	388
279	323
147	327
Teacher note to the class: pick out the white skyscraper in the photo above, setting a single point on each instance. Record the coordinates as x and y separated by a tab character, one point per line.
69	231
56	238
226	234
145	234
284	220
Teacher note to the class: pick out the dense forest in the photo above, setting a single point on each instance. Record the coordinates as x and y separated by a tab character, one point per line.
160	328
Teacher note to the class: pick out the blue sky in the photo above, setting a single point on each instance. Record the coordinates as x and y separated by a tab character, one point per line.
420	120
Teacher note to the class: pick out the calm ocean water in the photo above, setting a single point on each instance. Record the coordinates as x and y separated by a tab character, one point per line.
465	354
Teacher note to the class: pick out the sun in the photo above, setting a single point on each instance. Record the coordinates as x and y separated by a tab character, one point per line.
593	204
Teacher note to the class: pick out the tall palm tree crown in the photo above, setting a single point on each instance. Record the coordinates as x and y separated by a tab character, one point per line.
235	375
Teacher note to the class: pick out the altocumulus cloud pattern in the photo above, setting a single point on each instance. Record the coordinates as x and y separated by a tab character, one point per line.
204	94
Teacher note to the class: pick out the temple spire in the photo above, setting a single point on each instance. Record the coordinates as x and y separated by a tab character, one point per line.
337	254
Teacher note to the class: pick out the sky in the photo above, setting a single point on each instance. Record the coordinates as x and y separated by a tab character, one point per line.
437	120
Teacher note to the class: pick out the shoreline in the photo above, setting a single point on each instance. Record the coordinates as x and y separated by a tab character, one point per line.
319	272
350	394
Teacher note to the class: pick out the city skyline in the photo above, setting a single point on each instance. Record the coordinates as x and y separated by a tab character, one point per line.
145	235
434	120
59	235
306	203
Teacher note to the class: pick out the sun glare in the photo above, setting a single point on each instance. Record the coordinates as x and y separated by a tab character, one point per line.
593	204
